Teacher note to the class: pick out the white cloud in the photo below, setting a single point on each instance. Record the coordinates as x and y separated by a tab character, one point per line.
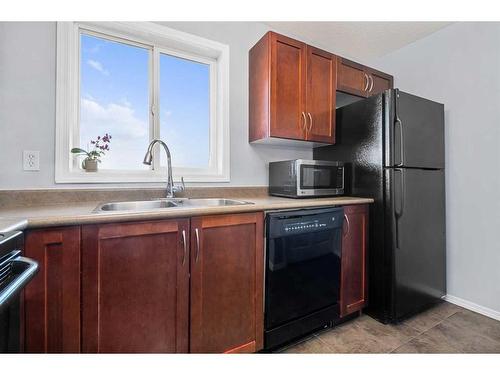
130	133
97	66
125	102
118	120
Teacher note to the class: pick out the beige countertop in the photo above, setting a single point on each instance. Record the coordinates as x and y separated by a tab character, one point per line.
82	213
12	224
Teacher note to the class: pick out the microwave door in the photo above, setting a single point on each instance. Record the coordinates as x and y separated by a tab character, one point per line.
321	179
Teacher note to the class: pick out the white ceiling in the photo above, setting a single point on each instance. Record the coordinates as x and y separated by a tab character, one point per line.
358	40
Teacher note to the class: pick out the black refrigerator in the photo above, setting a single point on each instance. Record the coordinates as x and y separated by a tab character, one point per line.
393	143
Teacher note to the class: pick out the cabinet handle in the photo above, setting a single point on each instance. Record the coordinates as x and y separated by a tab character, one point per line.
367	82
185	247
310	121
371	83
197	234
304	122
347	225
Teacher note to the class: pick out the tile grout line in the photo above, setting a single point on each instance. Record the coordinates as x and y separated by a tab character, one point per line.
421	333
330	349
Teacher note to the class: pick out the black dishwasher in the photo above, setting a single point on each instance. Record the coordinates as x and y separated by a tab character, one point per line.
302	276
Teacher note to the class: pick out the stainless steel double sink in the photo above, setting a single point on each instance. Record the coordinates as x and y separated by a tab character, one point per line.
168	203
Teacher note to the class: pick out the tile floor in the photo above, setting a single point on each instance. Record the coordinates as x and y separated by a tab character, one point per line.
446	328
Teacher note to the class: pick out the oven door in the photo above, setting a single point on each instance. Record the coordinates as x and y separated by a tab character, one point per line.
15	272
10	327
316	178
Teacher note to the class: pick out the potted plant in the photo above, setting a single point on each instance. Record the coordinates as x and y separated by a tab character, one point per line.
93	156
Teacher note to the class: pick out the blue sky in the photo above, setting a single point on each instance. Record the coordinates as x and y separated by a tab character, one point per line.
115	99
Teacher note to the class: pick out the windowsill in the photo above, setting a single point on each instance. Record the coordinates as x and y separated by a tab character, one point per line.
106	177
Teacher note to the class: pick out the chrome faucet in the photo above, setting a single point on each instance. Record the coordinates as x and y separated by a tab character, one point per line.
148	159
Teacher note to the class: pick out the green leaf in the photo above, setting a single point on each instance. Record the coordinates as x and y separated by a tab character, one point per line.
77	150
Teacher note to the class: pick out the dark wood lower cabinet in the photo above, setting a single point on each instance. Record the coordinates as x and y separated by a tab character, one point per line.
354	281
52	298
126	287
227	283
135	287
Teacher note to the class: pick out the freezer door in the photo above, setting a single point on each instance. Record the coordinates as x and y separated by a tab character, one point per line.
417	233
415	131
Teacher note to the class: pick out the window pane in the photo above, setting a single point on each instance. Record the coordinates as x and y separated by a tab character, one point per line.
114	99
185	110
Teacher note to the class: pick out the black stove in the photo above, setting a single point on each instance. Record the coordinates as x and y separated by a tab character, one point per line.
15	272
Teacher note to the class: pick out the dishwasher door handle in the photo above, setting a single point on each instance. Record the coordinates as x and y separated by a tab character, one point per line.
26	269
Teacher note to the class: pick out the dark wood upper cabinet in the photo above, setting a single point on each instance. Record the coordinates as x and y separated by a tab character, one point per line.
288	94
320	95
351	78
360	80
379	81
135	287
354	281
227	283
292	89
52	298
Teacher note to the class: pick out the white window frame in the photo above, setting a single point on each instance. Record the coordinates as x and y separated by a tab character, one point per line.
160	39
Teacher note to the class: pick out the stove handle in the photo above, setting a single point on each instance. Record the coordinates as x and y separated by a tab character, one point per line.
28	268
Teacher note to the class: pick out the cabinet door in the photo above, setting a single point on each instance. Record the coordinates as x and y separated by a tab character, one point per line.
380	82
227	283
351	78
288	82
135	287
354	284
321	95
52	298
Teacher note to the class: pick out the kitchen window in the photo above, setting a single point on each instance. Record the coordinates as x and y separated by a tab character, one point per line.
137	82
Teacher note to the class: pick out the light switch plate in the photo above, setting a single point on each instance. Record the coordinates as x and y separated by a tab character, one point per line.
31	160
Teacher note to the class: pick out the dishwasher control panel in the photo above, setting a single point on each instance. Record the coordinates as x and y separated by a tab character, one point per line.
303	221
305	225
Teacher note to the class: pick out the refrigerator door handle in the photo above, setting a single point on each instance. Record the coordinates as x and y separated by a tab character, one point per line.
399	212
401	142
401	137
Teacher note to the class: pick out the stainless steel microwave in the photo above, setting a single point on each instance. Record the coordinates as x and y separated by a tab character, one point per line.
306	178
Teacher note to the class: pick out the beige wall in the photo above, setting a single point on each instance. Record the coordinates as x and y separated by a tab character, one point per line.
459	66
27	103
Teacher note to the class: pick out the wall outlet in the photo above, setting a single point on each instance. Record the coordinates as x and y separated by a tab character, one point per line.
31	160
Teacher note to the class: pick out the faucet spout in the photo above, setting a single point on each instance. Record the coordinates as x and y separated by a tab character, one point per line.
148	159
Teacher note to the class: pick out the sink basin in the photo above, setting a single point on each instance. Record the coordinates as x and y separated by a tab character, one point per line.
168	204
211	202
136	205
